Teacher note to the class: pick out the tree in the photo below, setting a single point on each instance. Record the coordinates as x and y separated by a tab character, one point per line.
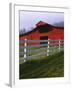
22	31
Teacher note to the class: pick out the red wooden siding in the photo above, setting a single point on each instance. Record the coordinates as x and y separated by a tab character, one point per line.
54	34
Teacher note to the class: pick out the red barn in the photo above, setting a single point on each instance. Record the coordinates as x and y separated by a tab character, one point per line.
44	31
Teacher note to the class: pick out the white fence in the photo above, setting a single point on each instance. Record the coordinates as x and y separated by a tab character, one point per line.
39	47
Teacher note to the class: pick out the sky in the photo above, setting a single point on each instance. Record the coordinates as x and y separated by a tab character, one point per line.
29	19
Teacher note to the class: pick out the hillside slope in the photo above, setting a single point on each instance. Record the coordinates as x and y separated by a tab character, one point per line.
51	66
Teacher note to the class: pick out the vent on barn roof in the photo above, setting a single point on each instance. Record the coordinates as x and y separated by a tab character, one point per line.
40	23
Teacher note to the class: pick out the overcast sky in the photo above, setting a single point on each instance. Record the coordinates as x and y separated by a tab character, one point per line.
29	19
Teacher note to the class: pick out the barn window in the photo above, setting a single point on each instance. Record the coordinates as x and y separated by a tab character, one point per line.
44	28
43	38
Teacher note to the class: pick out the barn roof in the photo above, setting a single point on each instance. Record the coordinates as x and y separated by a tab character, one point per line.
40	25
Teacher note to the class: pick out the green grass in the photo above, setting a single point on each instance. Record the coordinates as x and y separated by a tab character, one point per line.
51	66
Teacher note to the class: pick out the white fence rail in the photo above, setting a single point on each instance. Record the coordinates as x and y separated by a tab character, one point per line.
29	47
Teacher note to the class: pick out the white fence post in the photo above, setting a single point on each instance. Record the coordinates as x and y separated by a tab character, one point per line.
25	50
48	48
59	46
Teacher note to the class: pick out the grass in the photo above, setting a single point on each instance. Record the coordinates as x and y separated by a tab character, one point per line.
51	66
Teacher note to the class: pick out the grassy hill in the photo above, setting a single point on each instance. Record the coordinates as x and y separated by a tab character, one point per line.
51	66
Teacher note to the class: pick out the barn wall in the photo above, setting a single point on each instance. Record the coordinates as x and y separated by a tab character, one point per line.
54	34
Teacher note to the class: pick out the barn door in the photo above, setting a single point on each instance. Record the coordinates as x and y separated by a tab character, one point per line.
43	38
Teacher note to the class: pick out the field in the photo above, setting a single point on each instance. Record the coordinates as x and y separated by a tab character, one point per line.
49	66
